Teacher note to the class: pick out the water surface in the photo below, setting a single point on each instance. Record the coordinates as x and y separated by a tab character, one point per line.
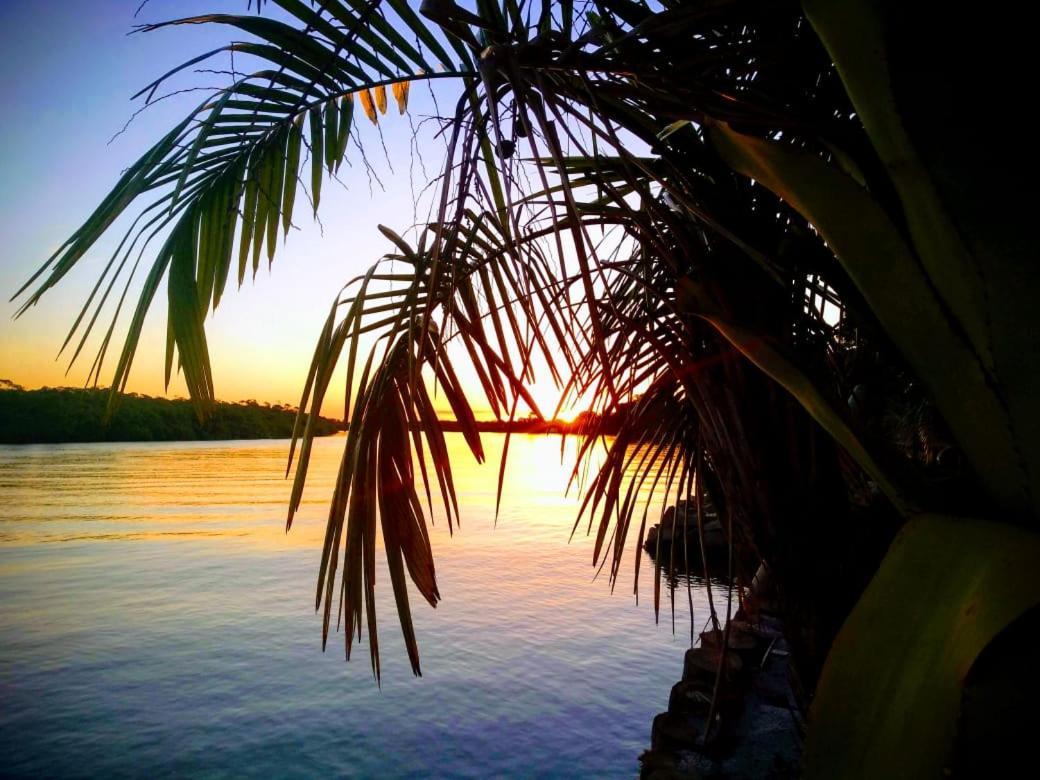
155	619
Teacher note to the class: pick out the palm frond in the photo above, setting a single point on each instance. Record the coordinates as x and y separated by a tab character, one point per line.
573	254
231	169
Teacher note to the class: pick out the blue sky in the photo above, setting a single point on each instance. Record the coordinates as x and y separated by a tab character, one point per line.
67	71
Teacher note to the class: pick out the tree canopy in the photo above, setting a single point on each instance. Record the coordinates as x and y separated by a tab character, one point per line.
729	213
64	414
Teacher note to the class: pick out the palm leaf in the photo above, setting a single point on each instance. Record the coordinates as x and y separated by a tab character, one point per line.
236	156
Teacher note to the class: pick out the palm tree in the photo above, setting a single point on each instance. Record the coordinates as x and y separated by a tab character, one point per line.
727	213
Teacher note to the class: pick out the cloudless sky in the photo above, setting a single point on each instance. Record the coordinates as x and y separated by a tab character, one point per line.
67	71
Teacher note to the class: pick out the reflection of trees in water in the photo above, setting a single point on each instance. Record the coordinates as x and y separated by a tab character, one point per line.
678	579
687	591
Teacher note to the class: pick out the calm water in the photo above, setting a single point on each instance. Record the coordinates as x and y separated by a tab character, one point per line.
156	620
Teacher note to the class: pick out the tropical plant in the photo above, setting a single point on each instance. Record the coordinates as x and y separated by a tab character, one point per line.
651	200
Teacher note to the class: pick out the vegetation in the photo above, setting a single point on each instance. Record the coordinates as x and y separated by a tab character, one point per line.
776	224
63	414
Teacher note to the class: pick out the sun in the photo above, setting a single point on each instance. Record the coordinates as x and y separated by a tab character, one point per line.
547	396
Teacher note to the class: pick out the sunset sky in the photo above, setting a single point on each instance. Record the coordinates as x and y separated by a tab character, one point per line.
68	70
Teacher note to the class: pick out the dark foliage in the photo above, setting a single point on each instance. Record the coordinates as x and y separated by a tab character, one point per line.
62	414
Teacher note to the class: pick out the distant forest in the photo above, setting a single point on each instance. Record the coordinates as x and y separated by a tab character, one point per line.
62	414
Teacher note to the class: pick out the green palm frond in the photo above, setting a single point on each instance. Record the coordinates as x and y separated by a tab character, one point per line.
393	422
569	254
229	173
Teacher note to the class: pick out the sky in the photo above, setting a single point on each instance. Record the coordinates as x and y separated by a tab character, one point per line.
67	72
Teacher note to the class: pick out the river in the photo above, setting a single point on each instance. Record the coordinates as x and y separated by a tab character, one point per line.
156	620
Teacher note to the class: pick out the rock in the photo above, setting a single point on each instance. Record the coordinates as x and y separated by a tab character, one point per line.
740	640
679	524
689	697
675	731
758	730
706	659
666	765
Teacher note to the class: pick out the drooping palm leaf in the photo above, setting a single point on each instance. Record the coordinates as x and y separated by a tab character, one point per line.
232	167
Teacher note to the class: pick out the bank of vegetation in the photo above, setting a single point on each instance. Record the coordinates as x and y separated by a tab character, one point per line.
53	415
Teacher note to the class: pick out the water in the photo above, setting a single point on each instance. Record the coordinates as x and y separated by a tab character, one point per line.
155	619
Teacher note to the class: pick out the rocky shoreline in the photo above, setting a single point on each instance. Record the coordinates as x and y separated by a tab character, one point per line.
734	713
677	540
756	728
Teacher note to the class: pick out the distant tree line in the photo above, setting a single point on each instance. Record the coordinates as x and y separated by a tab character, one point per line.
61	414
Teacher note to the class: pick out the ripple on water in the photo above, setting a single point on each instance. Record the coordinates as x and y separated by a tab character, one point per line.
156	619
